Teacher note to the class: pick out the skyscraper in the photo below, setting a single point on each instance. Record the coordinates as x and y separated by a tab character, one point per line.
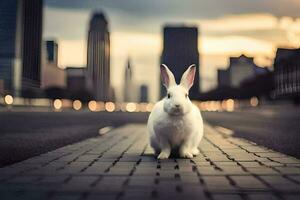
180	50
10	48
127	91
287	73
98	57
21	43
32	20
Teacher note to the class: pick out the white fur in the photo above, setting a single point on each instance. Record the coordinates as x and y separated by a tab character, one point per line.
170	127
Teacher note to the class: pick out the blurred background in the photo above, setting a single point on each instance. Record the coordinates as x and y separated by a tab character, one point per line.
104	56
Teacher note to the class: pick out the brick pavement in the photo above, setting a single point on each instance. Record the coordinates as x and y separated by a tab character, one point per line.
120	165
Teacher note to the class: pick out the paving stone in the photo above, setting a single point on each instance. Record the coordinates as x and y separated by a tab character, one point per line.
110	184
262	170
268	196
234	170
250	164
271	155
79	183
189	178
210	170
286	160
218	184
56	179
272	164
226	197
73	168
225	164
248	183
288	170
281	184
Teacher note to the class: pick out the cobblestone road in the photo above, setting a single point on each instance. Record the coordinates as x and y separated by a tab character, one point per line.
120	165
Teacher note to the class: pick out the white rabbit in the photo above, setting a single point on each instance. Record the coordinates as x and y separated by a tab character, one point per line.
175	122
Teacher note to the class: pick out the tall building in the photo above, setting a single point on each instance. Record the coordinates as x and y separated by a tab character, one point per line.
21	43
98	57
10	48
128	84
287	73
180	50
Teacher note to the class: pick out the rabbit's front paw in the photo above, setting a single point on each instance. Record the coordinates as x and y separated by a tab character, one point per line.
195	151
186	154
163	155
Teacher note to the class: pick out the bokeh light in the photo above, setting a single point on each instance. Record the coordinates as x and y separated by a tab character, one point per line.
92	106
77	105
57	104
149	107
254	101
110	106
230	105
130	107
8	99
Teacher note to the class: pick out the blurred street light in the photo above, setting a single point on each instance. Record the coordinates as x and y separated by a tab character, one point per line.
57	104
92	106
110	106
230	105
254	101
8	99
77	105
131	107
149	107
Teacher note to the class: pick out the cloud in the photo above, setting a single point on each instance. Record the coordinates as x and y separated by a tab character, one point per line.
244	22
188	8
235	44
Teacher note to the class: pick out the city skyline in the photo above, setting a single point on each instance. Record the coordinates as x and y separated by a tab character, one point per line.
255	29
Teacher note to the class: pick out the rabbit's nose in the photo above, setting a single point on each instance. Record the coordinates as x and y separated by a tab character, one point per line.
177	105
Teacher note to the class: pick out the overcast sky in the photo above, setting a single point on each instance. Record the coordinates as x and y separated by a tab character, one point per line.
227	28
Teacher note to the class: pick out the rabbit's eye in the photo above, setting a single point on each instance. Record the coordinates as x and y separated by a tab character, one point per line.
186	95
169	95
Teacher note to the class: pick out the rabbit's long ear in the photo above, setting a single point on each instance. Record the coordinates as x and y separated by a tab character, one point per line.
187	79
167	76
